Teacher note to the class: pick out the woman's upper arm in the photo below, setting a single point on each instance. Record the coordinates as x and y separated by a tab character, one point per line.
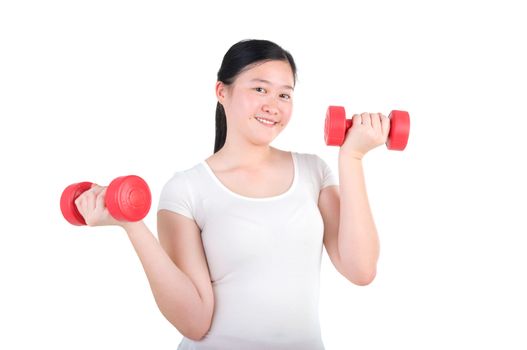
329	206
181	239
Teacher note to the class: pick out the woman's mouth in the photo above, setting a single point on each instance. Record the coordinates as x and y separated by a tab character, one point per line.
265	121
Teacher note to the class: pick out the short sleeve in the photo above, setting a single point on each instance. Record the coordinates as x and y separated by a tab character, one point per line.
176	196
328	178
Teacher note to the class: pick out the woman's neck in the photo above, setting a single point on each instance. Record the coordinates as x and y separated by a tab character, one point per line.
234	156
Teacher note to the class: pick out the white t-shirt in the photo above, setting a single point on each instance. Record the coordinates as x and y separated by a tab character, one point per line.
263	255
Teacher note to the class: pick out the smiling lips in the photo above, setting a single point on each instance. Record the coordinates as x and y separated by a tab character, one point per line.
266	122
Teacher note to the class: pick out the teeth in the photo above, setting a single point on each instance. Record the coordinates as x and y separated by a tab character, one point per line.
268	122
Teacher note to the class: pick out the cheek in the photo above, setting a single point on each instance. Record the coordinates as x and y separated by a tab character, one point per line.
287	111
246	104
239	109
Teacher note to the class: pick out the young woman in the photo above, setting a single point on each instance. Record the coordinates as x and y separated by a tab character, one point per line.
240	233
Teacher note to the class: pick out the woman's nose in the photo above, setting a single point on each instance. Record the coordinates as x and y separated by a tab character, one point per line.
270	107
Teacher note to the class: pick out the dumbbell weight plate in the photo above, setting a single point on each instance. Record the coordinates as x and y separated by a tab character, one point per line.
335	126
399	130
128	198
67	202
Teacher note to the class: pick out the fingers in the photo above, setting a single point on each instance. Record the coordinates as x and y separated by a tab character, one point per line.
366	119
81	205
376	121
363	119
91	195
91	200
373	120
99	203
377	124
385	126
369	129
356	119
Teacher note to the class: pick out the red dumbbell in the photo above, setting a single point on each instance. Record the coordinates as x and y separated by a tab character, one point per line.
337	125
127	198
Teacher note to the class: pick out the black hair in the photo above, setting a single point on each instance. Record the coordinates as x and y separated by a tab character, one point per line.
237	58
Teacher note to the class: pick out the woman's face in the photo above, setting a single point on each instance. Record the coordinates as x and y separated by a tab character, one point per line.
259	103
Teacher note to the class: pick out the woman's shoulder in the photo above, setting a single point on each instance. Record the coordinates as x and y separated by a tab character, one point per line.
311	158
187	174
297	154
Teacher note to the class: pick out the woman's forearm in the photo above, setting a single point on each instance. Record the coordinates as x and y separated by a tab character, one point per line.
358	242
175	294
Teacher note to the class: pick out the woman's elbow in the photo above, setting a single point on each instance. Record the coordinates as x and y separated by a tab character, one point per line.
194	329
363	278
195	334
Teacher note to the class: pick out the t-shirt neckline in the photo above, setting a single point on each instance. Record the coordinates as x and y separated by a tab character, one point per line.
234	194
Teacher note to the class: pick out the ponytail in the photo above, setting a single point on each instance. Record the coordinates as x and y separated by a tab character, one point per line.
221	127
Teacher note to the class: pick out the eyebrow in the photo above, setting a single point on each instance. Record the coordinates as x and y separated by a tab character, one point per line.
268	82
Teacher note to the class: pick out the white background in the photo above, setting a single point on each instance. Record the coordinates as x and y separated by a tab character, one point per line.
97	89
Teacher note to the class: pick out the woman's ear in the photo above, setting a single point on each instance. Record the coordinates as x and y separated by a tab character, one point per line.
221	90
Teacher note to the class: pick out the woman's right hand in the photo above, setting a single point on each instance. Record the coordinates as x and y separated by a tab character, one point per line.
93	209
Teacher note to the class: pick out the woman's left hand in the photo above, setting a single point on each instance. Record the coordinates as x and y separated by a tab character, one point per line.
367	131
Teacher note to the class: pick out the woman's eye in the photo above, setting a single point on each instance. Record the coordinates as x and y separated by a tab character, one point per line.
285	96
259	89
